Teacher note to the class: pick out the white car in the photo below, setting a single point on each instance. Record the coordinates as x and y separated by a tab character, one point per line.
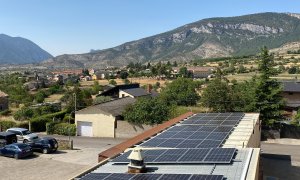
23	135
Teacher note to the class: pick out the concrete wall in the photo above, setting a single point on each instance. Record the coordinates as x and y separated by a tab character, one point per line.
103	125
3	103
254	141
127	130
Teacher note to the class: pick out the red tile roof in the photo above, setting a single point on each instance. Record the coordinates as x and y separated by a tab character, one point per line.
112	152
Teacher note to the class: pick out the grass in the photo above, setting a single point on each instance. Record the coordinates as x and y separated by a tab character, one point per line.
53	97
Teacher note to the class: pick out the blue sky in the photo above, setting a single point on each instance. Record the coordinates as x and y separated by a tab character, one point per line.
76	26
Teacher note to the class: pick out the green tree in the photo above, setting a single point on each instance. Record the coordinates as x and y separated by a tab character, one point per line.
147	111
123	75
218	96
268	99
101	99
112	82
181	91
185	73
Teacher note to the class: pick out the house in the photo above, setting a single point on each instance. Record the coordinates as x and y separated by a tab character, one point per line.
102	120
100	75
291	93
3	101
114	91
227	147
134	92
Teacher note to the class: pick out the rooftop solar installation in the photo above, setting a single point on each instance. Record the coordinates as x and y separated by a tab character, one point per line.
120	176
215	119
183	156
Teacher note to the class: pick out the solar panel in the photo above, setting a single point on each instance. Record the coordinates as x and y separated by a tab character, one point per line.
209	144
175	176
189	143
206	177
101	176
194	155
219	155
183	155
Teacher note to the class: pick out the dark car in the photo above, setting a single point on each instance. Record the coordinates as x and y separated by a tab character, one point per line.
16	150
7	138
45	144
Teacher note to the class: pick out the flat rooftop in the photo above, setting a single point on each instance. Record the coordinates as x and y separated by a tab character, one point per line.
200	131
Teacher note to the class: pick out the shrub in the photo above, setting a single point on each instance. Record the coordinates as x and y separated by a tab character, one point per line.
61	128
5	112
23	125
38	124
6	125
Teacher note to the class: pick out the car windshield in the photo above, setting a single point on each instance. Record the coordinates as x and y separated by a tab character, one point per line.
26	132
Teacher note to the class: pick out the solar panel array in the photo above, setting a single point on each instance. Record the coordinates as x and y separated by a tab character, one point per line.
120	176
199	131
194	140
183	156
222	119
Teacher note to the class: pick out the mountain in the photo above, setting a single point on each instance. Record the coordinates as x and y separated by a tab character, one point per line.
213	37
17	50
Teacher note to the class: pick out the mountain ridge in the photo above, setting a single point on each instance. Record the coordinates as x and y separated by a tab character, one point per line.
19	50
212	37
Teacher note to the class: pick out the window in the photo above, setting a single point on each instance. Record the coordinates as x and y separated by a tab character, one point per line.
290	93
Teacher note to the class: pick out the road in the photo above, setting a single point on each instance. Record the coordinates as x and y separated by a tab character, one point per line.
281	161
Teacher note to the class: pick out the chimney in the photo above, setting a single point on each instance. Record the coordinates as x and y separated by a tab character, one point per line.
149	88
136	164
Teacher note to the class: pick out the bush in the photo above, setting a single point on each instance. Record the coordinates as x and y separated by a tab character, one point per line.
6	125
38	124
5	112
23	125
61	129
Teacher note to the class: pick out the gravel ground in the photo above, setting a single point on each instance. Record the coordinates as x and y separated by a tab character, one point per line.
61	165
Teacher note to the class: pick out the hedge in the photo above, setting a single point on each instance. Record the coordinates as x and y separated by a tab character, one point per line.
61	128
38	124
6	125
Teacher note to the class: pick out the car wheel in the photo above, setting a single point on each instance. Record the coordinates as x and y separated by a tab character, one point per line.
45	151
25	141
16	156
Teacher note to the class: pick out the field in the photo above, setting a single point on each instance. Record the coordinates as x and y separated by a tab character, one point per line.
142	81
248	76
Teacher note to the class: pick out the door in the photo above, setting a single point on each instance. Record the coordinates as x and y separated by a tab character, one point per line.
84	128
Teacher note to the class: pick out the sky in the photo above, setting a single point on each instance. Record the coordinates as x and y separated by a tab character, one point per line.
77	26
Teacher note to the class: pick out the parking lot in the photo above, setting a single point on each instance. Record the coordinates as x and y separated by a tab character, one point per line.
63	164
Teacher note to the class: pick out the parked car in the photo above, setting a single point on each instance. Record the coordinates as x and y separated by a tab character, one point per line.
23	135
7	138
45	144
16	150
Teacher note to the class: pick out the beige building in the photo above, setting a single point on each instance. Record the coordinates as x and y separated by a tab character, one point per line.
102	120
3	101
291	94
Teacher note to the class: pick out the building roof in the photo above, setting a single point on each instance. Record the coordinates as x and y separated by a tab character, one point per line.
291	86
242	165
3	94
114	107
111	89
136	92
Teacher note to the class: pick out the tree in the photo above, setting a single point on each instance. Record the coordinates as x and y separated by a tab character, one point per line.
181	91
175	64
123	75
101	99
293	70
185	73
218	96
112	82
268	99
147	111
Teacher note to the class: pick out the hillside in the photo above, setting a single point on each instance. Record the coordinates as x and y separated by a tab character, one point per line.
17	50
214	37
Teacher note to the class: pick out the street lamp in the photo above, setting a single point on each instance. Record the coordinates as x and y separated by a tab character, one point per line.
70	142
